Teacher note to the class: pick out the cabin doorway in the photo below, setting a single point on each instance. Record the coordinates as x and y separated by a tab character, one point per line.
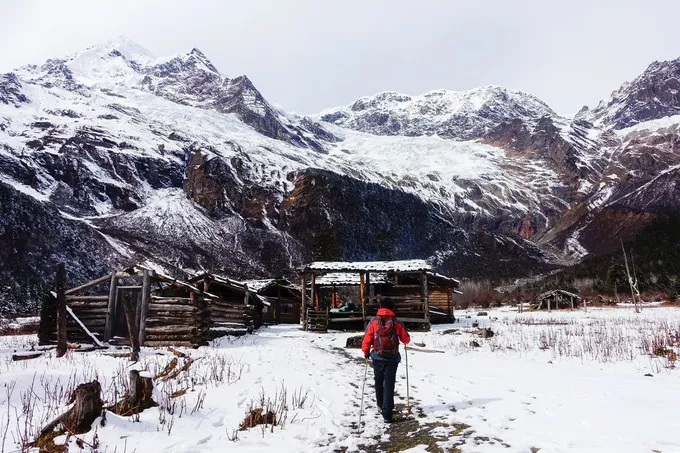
134	295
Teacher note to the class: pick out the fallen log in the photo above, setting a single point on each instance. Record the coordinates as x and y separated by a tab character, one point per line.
26	356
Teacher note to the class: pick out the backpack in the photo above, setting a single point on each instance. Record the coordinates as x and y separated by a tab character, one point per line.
386	342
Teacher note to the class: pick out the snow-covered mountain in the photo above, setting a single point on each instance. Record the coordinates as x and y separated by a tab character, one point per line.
169	161
449	114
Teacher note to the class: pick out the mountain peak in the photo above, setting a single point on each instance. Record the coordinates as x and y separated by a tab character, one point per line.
198	59
124	46
654	94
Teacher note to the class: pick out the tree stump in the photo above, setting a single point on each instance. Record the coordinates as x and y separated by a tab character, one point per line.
139	397
87	406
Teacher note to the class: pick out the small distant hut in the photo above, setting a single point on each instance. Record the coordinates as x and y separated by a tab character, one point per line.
281	300
345	295
557	299
162	310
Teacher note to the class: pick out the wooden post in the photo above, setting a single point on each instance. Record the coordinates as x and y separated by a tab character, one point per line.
549	303
277	312
132	331
333	296
315	299
571	298
111	312
144	305
362	296
303	307
448	303
61	309
424	296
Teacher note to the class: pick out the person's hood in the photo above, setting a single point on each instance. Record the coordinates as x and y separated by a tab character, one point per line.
386	312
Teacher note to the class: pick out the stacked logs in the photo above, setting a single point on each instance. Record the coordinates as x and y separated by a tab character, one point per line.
230	319
177	321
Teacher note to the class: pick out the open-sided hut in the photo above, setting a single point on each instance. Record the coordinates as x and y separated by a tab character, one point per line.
557	299
421	296
281	300
160	310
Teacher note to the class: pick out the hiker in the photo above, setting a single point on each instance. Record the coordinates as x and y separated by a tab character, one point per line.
381	344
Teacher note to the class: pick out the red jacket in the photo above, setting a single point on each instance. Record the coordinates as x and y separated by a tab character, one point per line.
403	335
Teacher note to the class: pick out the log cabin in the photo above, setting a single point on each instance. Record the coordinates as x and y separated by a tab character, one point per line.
345	295
281	300
557	299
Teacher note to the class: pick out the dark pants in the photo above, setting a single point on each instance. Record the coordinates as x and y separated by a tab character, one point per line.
385	372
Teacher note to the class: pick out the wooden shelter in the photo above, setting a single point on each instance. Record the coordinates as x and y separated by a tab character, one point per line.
557	299
281	300
235	309
137	306
421	296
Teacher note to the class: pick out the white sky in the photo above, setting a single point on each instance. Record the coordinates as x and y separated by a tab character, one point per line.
307	55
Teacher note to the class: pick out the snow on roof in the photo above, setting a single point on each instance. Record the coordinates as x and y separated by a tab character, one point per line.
444	278
347	279
369	266
259	285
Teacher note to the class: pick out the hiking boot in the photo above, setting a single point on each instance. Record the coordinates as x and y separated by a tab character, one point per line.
387	420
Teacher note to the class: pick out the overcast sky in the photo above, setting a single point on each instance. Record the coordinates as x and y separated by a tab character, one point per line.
308	55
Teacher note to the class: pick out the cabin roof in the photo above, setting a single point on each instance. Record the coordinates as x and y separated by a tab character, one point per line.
554	292
368	266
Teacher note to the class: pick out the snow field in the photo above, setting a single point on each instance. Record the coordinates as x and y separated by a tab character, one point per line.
559	382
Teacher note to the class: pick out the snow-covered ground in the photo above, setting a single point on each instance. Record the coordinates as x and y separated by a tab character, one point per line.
558	382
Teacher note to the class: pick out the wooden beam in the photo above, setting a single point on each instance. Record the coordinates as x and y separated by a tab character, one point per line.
88	285
61	309
88	298
144	305
110	316
85	329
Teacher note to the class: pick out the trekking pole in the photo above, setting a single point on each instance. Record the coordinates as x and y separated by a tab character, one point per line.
408	396
363	387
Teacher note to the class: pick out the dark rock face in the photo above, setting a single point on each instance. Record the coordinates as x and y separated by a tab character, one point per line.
33	239
10	90
339	218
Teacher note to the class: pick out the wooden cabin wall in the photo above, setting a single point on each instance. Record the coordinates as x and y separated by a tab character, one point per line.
92	314
179	321
230	318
